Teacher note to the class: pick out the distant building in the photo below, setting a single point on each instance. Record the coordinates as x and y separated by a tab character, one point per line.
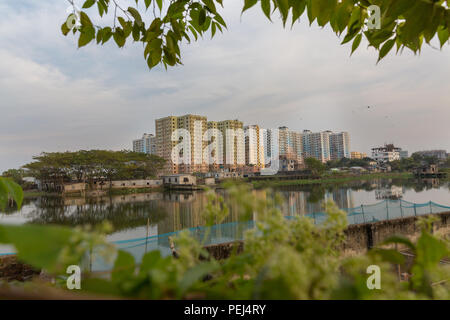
290	146
254	146
173	132
440	154
316	145
403	154
387	153
147	144
358	155
339	145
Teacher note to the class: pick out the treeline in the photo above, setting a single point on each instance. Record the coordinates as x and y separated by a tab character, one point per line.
346	162
91	165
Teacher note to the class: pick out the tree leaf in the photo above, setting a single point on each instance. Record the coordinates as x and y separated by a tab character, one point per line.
356	43
387	46
88	4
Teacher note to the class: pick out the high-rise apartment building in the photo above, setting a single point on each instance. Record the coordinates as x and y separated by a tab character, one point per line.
184	133
147	144
254	146
316	145
233	143
339	145
290	145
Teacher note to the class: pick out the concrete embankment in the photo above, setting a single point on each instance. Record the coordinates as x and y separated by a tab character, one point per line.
360	237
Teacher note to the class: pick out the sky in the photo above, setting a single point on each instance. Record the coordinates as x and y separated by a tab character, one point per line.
55	97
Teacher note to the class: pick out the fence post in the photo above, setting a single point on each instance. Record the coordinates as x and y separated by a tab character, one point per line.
362	210
401	208
415	212
431	209
387	209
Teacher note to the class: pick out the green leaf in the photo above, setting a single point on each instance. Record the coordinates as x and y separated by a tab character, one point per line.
150	261
283	7
160	4
147	3
265	6
248	4
210	5
400	240
298	7
136	15
389	255
323	10
84	19
87	34
202	17
88	4
106	34
40	246
387	46
356	43
9	188
124	266
196	273
443	35
65	29
119	37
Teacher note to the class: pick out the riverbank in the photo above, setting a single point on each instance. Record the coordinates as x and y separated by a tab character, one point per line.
325	180
78	194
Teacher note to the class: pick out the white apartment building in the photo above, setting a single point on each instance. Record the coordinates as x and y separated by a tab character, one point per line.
339	145
233	143
387	153
316	145
254	146
147	144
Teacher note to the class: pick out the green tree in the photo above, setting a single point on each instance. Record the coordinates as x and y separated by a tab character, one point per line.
161	26
91	165
315	166
16	175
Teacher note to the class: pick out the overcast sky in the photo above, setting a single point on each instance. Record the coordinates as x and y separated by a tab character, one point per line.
55	97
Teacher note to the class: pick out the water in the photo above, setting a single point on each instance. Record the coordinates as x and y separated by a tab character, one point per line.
168	213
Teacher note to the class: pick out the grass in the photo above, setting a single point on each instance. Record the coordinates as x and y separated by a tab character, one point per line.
329	179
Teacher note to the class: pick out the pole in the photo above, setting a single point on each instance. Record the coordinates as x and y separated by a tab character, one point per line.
146	238
431	209
387	208
362	210
415	212
401	208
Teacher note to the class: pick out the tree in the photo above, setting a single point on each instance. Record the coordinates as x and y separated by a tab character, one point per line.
15	174
316	166
90	165
404	23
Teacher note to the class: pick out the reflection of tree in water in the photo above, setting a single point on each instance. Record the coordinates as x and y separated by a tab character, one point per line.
53	210
13	209
316	194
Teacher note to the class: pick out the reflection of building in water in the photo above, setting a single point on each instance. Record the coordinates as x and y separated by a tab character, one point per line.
431	182
299	203
295	204
389	192
342	197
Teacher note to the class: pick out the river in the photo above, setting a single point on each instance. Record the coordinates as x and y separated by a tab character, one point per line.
157	215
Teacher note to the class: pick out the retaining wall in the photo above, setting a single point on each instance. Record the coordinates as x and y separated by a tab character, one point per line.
360	237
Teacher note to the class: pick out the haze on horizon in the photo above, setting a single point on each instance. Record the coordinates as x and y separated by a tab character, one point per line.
55	97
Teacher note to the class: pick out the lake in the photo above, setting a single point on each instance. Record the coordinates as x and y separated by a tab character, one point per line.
144	221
